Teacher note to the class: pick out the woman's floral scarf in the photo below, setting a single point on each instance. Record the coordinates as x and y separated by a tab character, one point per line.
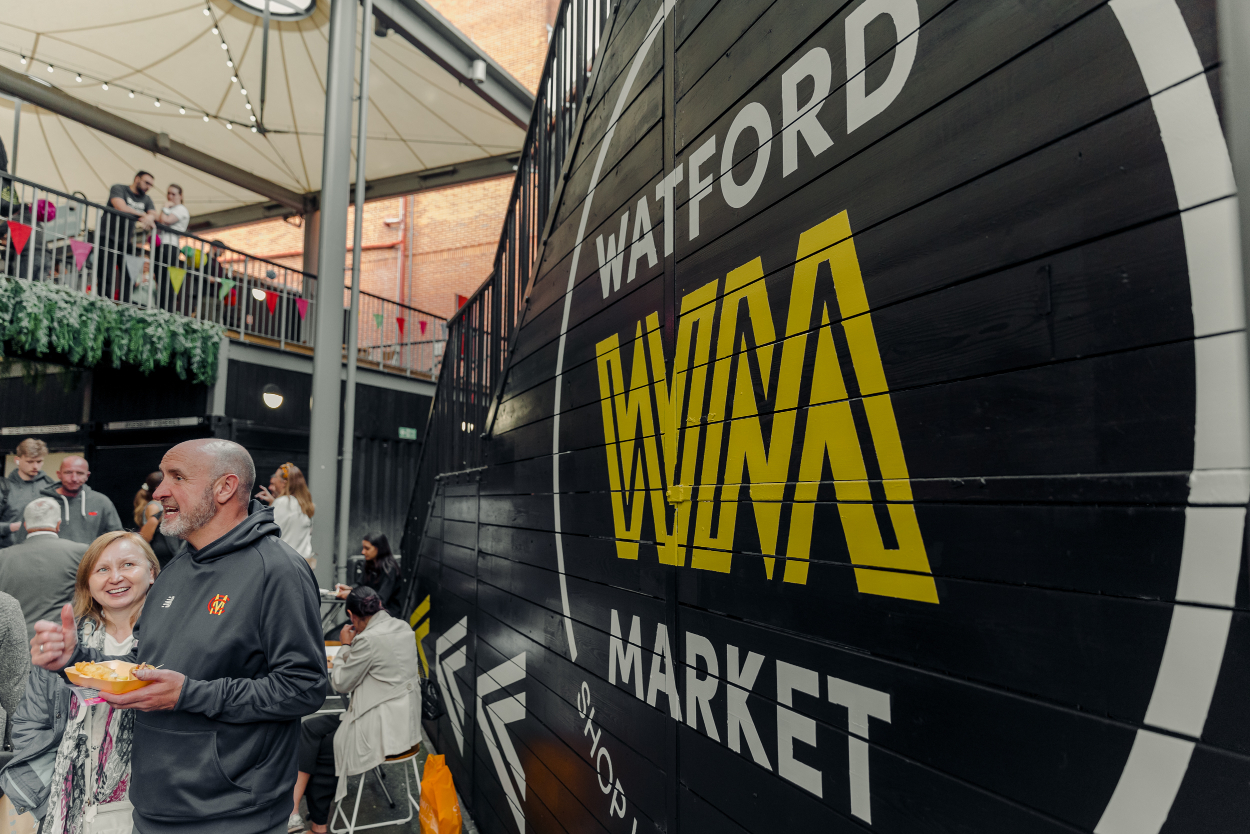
78	784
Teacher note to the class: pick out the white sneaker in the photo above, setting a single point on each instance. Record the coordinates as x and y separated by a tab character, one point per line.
294	824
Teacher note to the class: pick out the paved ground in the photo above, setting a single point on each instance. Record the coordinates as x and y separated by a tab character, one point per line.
374	807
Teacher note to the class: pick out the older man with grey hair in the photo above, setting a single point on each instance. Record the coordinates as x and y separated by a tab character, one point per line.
234	623
40	572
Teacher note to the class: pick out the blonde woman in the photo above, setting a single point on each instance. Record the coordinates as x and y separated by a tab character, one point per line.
293	507
85	748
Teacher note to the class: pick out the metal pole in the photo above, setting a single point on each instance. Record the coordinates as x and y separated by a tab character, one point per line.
264	65
323	439
353	318
17	121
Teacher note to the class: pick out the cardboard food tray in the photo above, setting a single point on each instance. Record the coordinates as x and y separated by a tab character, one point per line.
113	687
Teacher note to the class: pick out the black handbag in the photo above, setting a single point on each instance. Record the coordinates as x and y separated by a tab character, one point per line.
431	701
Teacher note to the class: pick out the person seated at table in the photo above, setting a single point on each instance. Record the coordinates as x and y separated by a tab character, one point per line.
381	573
377	666
71	762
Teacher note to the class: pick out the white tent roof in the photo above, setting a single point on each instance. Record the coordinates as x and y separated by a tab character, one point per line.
422	117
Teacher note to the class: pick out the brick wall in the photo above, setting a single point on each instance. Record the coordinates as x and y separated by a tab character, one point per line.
445	241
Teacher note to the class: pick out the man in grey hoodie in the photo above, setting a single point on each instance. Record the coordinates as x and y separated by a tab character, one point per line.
234	620
86	513
22	486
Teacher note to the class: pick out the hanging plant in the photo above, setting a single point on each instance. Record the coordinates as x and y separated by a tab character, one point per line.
36	317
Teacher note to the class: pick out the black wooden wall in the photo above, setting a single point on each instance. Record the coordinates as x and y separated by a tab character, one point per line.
908	494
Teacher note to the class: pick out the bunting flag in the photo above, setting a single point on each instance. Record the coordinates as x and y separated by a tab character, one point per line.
271	301
233	298
227	286
19	233
400	319
81	250
301	304
134	266
176	276
189	251
422	324
461	300
377	319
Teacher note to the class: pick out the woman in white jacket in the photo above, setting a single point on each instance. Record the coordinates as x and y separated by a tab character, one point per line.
293	508
378	667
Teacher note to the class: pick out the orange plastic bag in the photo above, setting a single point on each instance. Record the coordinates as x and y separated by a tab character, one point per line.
440	809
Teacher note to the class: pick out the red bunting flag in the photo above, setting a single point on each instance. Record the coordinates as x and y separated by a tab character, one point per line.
461	300
301	304
423	323
400	320
271	301
19	233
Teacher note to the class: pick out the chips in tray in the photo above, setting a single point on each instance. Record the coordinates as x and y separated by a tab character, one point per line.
115	676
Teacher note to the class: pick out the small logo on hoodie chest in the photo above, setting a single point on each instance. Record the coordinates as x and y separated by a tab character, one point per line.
218	604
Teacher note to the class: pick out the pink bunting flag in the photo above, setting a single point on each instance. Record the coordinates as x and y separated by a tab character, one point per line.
271	301
81	250
423	323
19	233
301	304
400	319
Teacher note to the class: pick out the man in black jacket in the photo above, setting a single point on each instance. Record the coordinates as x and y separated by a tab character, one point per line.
233	619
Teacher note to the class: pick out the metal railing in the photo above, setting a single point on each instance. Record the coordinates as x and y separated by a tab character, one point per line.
480	333
48	235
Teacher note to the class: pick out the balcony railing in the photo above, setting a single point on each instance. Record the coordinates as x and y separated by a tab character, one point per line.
48	235
480	333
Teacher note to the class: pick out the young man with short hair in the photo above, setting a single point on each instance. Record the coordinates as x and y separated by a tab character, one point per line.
129	204
22	486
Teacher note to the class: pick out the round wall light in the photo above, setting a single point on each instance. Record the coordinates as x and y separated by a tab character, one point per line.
272	395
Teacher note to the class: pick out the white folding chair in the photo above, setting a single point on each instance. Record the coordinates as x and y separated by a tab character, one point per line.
414	801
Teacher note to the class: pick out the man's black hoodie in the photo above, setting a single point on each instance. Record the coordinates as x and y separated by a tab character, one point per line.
240	618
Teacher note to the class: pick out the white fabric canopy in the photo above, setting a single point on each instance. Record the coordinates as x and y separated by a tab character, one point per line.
421	117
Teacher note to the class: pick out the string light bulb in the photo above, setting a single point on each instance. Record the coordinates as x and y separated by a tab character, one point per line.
157	102
132	93
244	92
206	11
248	105
229	126
230	63
23	59
206	117
223	45
104	86
182	110
234	79
253	128
214	30
78	77
49	68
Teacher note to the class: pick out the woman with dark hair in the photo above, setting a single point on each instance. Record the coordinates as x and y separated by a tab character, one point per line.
377	665
381	572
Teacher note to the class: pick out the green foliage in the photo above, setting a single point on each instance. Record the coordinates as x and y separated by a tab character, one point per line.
38	317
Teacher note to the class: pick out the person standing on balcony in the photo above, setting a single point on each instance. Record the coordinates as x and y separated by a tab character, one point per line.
293	508
87	513
130	204
22	486
173	217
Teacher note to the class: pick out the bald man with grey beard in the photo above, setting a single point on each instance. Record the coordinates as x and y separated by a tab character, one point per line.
233	622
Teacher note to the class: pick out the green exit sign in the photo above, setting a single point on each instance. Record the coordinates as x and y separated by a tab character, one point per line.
406	433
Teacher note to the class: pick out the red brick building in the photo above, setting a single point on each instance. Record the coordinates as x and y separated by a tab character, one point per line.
425	249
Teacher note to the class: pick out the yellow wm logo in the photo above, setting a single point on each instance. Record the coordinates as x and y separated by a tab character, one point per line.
654	430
